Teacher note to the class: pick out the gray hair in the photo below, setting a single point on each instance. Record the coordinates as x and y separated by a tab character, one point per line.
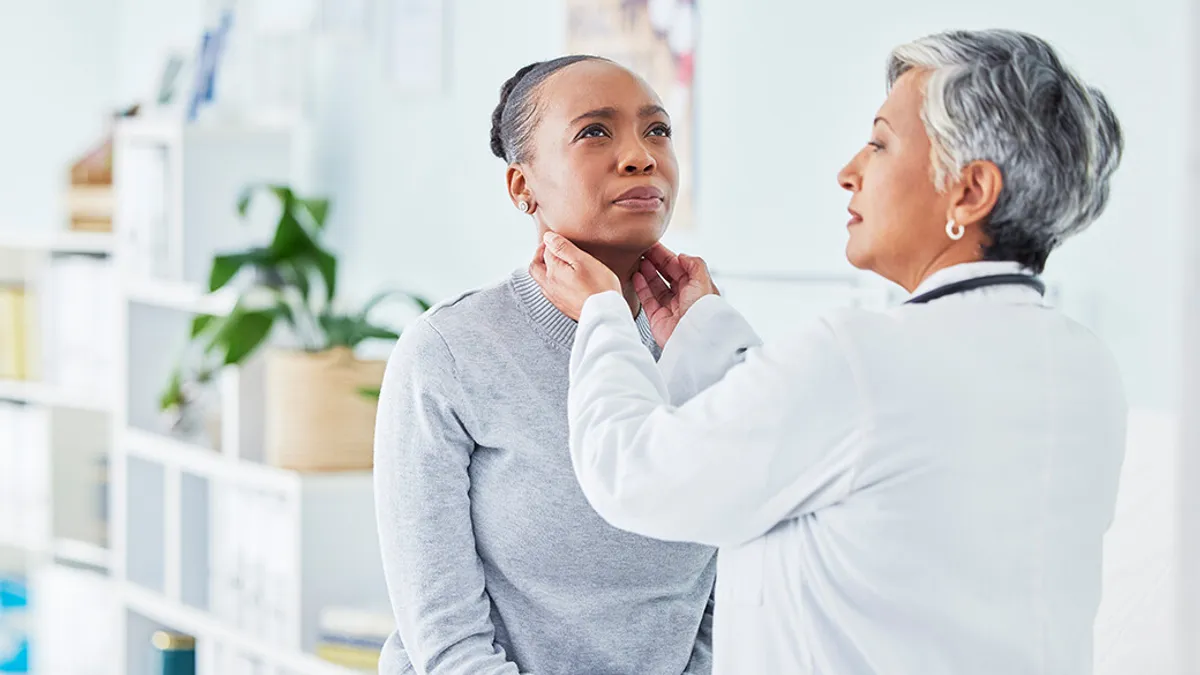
1005	97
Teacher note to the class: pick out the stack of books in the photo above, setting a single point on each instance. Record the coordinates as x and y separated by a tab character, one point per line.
90	196
78	318
353	638
24	475
14	333
78	623
254	577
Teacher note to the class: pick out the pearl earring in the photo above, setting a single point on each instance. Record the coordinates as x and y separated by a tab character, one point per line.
523	206
955	231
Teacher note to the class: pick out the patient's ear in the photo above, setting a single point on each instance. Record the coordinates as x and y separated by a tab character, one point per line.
518	189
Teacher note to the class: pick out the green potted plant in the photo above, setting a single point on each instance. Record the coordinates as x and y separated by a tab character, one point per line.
320	398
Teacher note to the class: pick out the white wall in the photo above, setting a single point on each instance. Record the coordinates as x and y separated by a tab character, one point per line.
786	93
57	68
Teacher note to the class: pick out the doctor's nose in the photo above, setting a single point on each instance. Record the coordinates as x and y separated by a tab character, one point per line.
849	177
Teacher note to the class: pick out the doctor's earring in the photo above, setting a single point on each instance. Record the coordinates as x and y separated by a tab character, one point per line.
523	206
954	230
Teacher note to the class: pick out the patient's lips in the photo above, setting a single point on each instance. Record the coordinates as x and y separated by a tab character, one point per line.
642	198
855	219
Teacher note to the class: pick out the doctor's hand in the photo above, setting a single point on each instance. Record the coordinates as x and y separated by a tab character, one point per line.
569	276
668	285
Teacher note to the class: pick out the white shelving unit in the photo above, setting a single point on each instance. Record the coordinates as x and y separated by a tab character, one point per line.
44	242
57	538
209	540
201	536
48	395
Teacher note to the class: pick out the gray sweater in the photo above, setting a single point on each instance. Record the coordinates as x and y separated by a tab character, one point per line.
495	562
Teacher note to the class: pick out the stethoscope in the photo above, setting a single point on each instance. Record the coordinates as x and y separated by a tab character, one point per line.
977	283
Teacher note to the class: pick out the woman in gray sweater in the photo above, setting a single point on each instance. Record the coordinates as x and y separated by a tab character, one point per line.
496	564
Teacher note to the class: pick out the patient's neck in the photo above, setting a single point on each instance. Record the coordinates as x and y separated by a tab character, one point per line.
623	264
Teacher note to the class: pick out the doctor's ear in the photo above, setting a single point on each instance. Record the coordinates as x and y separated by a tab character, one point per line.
974	195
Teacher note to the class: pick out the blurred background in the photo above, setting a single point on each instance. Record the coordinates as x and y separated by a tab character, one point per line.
217	211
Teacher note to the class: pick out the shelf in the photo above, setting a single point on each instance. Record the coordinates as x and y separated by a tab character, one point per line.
179	296
51	396
202	626
82	553
207	463
63	241
25	547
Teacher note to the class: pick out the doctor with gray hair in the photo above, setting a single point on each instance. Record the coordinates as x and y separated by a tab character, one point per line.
922	490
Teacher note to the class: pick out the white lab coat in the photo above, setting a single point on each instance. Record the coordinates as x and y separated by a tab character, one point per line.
917	491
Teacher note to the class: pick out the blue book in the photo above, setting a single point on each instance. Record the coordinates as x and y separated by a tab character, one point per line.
175	653
14	621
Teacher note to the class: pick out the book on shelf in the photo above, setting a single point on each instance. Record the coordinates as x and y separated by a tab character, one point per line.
144	204
14	625
24	474
353	637
77	622
14	332
174	653
254	576
90	194
79	307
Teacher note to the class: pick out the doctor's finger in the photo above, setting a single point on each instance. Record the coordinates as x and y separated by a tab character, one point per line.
657	286
666	262
645	295
537	270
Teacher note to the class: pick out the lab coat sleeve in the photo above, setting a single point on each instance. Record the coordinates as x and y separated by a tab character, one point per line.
710	339
776	437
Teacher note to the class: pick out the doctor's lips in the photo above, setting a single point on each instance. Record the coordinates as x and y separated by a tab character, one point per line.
854	218
643	198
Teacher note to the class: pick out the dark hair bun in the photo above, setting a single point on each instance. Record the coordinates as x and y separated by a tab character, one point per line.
506	90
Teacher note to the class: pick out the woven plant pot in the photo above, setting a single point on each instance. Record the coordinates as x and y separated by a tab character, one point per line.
316	417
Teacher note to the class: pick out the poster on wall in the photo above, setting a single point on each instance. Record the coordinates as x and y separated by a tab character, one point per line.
657	40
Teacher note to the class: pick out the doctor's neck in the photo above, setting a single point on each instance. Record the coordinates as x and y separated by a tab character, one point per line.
967	250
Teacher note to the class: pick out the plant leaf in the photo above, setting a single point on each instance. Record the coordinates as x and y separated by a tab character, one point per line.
172	396
290	239
243	332
297	276
383	295
336	329
243	202
285	310
377	332
318	209
285	194
327	266
225	267
370	392
356	329
200	322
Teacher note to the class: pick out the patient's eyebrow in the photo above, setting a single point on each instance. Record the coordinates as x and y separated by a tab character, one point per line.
609	112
